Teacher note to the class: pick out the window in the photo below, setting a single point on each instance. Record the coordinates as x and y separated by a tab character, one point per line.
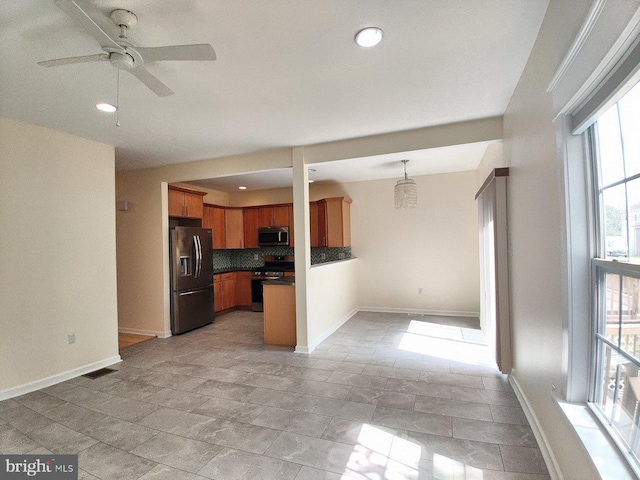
615	392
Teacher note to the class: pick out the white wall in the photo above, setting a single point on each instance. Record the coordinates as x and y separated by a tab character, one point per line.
57	256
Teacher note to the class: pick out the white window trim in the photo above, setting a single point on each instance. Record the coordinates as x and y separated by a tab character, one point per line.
579	246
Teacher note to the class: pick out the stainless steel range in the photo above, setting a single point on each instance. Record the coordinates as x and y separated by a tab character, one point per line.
275	266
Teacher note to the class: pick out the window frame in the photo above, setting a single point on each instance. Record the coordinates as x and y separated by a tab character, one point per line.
600	266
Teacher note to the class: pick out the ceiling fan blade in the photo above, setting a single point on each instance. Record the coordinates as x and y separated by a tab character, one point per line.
155	85
100	57
202	51
83	20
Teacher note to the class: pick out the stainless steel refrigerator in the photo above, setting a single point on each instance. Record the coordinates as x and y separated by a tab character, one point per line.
191	262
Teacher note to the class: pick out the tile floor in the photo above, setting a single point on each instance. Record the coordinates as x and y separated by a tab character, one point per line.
390	396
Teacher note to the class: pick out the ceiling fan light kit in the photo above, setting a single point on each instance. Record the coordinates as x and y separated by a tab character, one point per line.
122	54
106	107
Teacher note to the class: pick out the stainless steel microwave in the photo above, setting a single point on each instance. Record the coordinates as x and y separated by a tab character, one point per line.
270	236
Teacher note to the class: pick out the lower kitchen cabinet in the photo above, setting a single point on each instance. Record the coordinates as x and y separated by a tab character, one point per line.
243	289
224	291
231	290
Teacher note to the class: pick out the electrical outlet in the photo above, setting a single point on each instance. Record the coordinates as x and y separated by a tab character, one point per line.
420	291
323	256
255	256
72	338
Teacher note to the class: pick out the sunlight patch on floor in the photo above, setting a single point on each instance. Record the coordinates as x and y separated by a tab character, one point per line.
381	455
446	342
445	468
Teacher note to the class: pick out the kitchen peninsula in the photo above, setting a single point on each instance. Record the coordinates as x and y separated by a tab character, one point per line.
279	297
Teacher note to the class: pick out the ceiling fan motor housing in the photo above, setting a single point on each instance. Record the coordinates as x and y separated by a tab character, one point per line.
123	61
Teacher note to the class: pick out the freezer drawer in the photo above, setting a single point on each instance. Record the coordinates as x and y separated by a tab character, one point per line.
191	309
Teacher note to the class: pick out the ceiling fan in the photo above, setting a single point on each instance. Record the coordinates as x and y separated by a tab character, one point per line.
122	54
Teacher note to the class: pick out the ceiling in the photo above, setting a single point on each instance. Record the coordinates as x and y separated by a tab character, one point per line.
456	158
288	73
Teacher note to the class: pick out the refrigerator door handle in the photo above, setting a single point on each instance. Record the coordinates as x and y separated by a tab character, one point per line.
195	256
182	294
198	256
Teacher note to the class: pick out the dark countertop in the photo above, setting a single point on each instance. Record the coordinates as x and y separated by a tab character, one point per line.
218	271
289	280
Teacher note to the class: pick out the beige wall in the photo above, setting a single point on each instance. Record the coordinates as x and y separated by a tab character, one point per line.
493	158
332	298
535	208
57	256
433	247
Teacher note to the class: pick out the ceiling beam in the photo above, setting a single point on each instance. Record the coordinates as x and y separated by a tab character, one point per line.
472	131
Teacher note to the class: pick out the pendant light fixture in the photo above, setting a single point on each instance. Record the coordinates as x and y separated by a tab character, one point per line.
406	191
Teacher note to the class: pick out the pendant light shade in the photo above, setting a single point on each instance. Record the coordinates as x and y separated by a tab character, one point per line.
406	191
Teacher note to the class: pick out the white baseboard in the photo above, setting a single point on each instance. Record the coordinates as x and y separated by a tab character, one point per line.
57	378
151	333
541	438
416	311
314	344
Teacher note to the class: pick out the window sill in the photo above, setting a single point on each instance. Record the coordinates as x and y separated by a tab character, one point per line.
605	455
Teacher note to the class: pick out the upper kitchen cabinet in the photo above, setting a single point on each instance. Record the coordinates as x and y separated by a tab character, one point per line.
330	221
274	216
338	221
291	229
234	227
250	223
213	218
185	203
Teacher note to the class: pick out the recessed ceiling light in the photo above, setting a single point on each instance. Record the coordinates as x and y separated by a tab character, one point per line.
242	188
106	107
311	181
369	37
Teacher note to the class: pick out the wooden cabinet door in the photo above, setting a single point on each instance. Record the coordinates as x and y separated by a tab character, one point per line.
281	216
185	203
250	225
313	223
234	229
229	291
193	205
176	202
206	217
338	222
291	224
243	289
218	228
322	223
217	294
265	217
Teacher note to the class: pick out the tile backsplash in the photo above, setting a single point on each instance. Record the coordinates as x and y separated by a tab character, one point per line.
246	258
